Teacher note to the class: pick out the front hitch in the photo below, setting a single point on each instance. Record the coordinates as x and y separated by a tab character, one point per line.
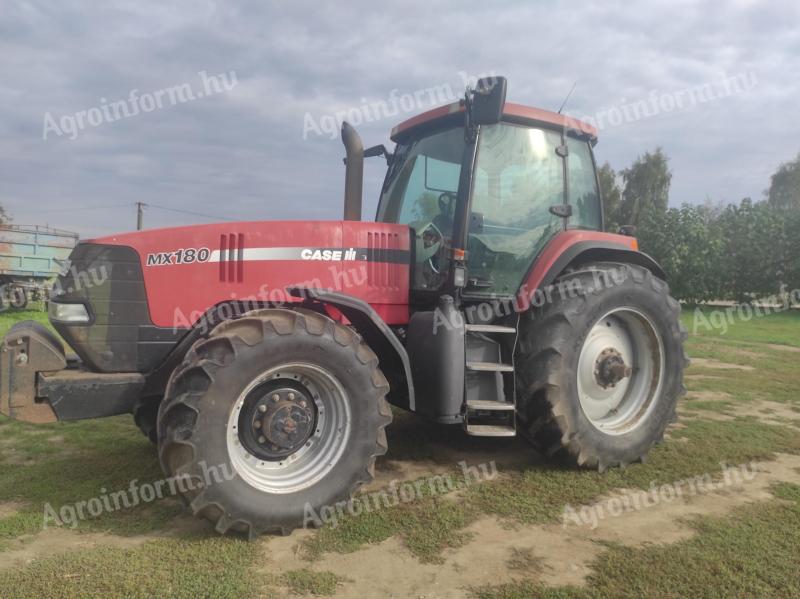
37	386
27	349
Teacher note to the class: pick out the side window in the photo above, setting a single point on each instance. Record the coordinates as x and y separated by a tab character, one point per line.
518	178
583	195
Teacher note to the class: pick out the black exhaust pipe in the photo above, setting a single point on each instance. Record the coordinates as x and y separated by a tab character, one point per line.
354	172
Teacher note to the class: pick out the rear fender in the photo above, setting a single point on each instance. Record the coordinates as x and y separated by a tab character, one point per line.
573	248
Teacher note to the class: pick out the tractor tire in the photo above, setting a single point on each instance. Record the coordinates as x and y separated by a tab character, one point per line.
600	365
232	389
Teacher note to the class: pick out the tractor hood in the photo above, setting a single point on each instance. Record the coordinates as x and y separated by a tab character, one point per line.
187	271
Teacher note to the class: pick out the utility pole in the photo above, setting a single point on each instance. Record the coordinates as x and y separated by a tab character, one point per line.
139	214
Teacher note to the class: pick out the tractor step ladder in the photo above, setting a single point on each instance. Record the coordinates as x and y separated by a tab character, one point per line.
489	405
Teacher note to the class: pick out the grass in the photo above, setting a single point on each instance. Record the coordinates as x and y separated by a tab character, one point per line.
9	317
779	328
428	526
309	582
749	553
62	464
212	567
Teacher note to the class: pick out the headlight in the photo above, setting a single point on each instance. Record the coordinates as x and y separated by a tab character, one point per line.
67	312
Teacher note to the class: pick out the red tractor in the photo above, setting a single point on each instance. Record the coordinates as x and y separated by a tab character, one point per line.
485	295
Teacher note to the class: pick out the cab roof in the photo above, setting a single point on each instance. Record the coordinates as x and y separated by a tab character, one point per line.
515	113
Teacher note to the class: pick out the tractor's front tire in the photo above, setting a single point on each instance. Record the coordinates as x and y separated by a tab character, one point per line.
600	365
273	417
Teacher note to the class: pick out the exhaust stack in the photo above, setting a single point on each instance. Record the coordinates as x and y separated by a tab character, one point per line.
354	172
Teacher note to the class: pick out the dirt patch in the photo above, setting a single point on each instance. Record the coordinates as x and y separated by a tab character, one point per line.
16	458
9	508
707	396
557	554
748	353
53	541
717	365
769	412
778	347
388	470
701	377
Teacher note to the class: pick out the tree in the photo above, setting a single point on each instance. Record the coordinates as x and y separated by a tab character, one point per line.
686	241
611	194
753	245
646	187
784	187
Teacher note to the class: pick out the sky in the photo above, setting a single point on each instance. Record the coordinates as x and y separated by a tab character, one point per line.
83	135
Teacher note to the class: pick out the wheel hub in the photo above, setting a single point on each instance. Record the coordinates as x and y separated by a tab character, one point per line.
620	371
278	421
610	368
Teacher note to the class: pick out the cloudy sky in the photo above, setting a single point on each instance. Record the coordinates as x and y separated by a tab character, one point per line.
650	73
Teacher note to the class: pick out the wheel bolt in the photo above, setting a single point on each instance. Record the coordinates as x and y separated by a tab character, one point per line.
303	403
275	397
262	439
262	408
291	396
257	424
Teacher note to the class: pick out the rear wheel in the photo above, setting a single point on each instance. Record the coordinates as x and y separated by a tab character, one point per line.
288	409
600	366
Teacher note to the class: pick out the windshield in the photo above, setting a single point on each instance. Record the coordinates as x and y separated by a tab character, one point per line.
420	191
422	171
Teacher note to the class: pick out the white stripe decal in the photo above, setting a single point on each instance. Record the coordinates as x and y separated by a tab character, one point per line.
251	254
328	254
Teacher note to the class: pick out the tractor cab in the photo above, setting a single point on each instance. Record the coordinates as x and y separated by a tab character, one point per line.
487	197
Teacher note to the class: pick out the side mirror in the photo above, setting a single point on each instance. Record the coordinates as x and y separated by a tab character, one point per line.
488	101
379	150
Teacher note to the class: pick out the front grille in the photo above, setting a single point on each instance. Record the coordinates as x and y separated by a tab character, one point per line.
120	337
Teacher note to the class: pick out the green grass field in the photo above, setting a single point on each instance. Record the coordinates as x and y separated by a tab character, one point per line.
743	405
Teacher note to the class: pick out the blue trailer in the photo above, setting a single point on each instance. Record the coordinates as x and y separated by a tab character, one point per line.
30	256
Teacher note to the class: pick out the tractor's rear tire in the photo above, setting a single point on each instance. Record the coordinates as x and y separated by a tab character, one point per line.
600	365
286	374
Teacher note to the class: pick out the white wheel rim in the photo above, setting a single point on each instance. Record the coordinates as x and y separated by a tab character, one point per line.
619	407
322	451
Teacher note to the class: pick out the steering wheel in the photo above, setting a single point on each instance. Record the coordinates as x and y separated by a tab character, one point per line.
429	243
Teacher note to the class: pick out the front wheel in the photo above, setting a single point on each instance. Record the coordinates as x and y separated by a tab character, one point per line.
600	365
272	418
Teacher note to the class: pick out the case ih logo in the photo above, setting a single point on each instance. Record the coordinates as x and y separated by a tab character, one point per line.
320	254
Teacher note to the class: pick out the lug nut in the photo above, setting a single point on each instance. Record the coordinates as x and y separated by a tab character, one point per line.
262	439
262	408
303	403
257	424
291	396
275	397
